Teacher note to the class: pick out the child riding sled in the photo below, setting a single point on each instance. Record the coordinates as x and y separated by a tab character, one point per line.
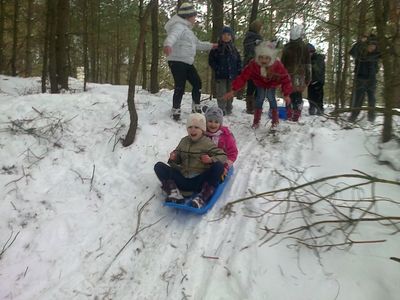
196	164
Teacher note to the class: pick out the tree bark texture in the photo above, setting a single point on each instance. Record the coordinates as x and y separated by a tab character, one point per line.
15	39
130	136
155	52
62	43
28	39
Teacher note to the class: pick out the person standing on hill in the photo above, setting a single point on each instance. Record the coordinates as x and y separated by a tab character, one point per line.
316	87
296	59
268	73
366	56
180	48
251	40
226	62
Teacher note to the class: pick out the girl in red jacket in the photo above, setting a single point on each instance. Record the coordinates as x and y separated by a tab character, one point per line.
267	73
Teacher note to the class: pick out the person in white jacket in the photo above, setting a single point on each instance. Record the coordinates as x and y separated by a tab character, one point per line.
180	48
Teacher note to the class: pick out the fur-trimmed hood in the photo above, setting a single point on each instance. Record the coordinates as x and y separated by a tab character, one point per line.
266	49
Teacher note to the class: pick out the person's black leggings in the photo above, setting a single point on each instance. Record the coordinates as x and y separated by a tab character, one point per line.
182	72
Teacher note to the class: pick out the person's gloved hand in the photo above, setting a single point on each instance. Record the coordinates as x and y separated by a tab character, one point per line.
287	100
206	159
173	155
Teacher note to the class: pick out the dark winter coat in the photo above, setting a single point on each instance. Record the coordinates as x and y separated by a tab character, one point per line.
366	63
251	40
296	59
318	68
225	61
277	76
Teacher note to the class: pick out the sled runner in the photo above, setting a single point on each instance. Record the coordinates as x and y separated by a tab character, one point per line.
214	198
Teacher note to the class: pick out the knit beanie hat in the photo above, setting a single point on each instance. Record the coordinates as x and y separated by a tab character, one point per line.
296	32
186	10
197	120
266	48
227	29
214	113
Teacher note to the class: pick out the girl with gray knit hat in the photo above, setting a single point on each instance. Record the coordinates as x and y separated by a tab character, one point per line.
221	135
180	48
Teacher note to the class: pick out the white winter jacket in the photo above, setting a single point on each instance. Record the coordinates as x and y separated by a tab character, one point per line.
182	40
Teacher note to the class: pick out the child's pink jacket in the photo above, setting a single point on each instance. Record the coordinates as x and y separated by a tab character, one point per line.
227	143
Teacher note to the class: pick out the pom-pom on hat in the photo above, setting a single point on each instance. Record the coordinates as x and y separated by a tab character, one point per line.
186	10
197	120
214	113
266	48
296	32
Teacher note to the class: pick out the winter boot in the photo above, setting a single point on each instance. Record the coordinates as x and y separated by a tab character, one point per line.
176	113
289	113
296	115
250	103
275	117
173	193
312	110
204	196
196	108
257	118
371	116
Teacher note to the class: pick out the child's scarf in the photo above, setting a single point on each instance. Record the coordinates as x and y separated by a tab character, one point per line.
214	136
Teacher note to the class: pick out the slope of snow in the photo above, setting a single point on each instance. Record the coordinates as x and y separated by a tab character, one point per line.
81	217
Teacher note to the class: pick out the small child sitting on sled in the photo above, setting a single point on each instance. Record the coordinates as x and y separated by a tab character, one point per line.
221	135
196	164
267	73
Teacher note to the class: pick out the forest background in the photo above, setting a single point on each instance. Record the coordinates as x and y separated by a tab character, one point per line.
105	41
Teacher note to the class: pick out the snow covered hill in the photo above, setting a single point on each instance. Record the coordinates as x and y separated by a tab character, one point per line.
81	217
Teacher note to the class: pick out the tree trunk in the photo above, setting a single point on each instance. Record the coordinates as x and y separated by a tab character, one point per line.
130	136
346	36
2	21
94	12
339	65
232	21
46	48
52	10
217	19
85	43
15	39
330	82
154	85
254	11
144	66
217	7
28	50
362	18
62	43
388	33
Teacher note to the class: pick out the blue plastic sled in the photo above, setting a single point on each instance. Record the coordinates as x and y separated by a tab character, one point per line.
214	198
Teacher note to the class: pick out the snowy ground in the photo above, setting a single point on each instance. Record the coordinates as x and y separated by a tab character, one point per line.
72	197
